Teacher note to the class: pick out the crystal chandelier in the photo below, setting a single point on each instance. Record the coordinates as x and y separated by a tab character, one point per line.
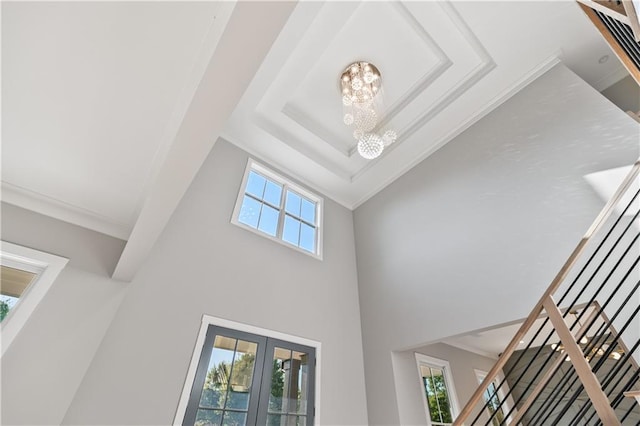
361	88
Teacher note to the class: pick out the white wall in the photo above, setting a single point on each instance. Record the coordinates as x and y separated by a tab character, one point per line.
45	363
202	264
625	93
472	236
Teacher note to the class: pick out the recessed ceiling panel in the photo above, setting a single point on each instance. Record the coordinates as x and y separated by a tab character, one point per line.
444	66
386	35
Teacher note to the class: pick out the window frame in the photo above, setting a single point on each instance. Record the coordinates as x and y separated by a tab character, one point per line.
287	185
46	266
504	390
432	362
208	320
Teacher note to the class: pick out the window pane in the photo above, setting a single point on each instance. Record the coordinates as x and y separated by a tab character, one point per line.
291	232
14	282
284	420
6	304
273	193
242	375
299	388
434	410
255	184
268	220
293	203
442	395
249	212
276	420
208	418
308	238
278	401
308	211
234	419
214	392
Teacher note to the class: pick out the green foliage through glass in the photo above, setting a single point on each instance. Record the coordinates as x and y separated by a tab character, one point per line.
437	397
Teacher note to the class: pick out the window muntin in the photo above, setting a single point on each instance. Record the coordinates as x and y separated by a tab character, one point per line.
279	209
438	399
438	392
247	379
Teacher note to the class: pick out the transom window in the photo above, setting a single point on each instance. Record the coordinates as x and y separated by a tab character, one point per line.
279	209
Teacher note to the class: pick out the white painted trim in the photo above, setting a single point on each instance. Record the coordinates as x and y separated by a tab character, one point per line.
208	320
430	361
288	184
57	209
47	266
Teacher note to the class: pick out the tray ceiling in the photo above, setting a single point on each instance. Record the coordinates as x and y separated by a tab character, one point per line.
444	65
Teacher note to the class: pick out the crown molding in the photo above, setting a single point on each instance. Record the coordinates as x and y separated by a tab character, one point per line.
57	209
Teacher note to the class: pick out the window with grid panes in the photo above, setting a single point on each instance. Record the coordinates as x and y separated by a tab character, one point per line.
279	209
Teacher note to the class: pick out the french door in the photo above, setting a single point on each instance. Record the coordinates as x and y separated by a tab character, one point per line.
246	379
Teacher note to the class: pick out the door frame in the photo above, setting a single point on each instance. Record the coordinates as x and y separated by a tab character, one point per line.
208	320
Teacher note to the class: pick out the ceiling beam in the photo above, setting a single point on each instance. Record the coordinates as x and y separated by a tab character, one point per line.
242	47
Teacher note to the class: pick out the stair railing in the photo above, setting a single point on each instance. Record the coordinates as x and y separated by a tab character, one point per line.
607	272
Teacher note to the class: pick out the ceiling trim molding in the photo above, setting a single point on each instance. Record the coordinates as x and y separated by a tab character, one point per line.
42	204
532	75
283	135
433	73
444	62
486	65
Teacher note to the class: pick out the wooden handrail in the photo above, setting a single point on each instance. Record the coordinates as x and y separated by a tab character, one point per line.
589	380
551	371
613	43
598	223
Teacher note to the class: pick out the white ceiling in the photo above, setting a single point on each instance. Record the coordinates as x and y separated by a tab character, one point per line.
444	65
492	342
92	95
101	100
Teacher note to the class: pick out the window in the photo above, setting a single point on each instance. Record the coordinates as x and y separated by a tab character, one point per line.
494	399
438	392
14	283
26	277
248	379
280	210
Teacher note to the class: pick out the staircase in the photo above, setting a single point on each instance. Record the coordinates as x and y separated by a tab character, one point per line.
575	359
617	21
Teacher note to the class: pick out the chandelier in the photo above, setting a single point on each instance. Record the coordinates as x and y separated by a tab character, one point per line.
361	87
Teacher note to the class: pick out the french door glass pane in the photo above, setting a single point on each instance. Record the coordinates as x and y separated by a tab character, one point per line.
233	418
228	382
284	420
208	417
289	384
246	379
